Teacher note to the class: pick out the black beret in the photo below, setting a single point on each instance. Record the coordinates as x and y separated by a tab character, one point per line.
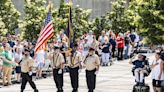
26	49
56	47
76	45
91	49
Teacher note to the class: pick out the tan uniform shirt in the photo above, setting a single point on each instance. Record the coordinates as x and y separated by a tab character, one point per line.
91	62
58	59
75	61
26	63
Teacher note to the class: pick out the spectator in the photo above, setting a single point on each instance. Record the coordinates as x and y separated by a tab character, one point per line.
90	38
86	48
4	41
102	38
11	42
139	69
113	43
127	42
18	58
63	36
40	58
157	73
1	62
106	48
6	56
80	45
120	46
1	65
132	39
95	44
31	48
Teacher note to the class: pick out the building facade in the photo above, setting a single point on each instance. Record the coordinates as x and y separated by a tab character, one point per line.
99	7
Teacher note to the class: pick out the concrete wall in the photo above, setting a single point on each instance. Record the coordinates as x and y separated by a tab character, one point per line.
99	7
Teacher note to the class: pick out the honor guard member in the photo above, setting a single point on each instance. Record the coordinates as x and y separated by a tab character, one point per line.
92	63
58	66
26	71
74	63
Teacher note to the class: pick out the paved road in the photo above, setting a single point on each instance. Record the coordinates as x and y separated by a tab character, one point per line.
115	78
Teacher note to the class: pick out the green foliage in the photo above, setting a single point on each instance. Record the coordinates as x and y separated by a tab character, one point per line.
9	17
118	18
151	21
80	18
63	14
3	30
35	13
81	21
100	24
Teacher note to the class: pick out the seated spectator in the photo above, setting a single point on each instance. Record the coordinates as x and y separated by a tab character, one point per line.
139	69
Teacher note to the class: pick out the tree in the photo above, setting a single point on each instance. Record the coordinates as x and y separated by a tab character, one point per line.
3	30
80	18
35	13
152	20
80	21
117	17
9	16
100	24
63	14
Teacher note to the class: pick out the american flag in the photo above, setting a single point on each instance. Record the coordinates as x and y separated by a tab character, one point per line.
46	33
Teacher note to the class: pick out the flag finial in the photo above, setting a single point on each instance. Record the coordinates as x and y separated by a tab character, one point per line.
49	5
71	2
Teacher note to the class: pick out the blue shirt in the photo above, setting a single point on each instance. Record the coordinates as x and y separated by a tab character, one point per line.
112	42
106	49
132	37
138	64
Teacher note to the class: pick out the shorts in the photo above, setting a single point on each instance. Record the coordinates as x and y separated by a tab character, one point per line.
18	69
157	83
40	65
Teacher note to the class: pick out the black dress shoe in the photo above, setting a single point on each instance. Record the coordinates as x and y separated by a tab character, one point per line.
36	90
74	90
5	84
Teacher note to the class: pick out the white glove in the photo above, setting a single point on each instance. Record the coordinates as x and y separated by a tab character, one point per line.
82	64
60	71
96	72
79	70
30	73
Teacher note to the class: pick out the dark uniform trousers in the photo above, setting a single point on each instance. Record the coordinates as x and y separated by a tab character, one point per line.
74	75
58	78
91	79
27	78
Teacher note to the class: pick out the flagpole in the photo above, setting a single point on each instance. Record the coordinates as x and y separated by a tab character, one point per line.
50	5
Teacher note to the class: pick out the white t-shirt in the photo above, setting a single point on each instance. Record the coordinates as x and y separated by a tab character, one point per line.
18	56
40	56
19	46
90	39
137	37
102	39
156	70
